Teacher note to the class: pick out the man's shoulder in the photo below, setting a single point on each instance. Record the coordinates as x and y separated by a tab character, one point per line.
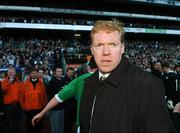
84	76
171	76
140	74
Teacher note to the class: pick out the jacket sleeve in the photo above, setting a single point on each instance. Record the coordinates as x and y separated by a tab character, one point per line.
1	96
68	90
154	115
5	85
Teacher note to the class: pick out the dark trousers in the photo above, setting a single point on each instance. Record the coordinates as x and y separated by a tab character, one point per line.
2	120
37	128
70	116
13	116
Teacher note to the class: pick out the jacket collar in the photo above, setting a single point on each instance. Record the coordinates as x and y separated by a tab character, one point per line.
15	79
116	77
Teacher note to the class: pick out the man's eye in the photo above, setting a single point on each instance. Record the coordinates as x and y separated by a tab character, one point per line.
112	44
98	45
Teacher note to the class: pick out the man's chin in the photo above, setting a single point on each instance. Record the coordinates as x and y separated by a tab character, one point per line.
105	71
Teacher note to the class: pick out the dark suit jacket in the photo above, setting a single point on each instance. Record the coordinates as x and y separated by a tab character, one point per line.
129	100
53	88
170	80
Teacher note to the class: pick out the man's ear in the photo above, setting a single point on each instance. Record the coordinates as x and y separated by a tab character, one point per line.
122	48
92	51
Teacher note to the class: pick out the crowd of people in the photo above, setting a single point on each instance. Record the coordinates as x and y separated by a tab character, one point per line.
21	100
75	21
49	52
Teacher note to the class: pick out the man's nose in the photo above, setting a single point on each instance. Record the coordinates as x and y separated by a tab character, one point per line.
106	50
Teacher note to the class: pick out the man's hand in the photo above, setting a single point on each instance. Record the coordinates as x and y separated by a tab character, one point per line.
37	118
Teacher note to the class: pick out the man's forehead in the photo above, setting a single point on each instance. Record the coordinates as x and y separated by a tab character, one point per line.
34	72
58	69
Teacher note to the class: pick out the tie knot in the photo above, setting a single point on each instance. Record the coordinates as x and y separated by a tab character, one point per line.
102	78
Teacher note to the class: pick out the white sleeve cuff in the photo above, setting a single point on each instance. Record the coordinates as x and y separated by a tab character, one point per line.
58	99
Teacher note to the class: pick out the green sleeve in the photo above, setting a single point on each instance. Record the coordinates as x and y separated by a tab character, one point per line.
73	88
68	90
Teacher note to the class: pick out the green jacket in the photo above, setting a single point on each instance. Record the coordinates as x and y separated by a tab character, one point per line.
74	89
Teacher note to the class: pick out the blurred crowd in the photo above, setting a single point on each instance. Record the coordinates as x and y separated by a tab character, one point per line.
45	52
48	53
143	53
75	21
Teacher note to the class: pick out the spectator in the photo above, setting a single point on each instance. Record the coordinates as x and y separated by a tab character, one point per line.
33	99
56	115
11	87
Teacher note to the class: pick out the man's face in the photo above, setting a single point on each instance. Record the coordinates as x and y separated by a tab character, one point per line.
157	66
34	74
70	73
107	50
40	73
11	73
58	72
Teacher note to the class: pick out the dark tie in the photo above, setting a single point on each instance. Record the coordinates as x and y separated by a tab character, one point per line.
101	84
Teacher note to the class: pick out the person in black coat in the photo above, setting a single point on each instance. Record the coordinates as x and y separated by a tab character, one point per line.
129	100
156	69
176	116
170	79
56	115
69	105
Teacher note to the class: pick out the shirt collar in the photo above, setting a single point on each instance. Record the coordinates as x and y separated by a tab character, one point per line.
116	77
104	75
